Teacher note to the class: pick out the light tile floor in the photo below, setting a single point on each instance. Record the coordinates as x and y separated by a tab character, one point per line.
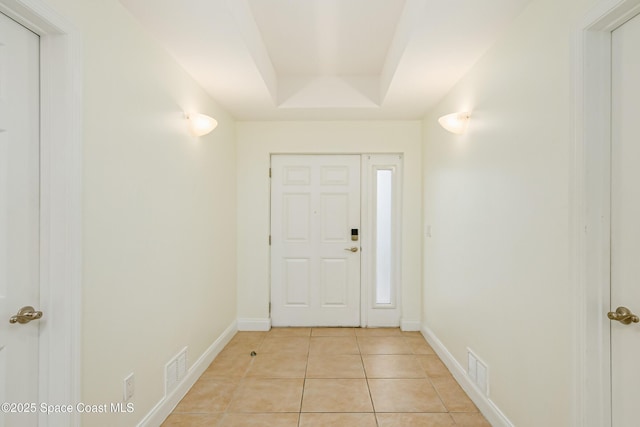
307	377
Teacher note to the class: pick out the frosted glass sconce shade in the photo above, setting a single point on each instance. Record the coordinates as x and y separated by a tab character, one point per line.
201	124
455	123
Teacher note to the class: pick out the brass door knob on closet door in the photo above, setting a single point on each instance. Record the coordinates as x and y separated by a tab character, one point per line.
623	315
25	315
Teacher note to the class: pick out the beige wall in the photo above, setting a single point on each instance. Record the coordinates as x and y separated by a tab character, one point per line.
159	213
257	140
496	267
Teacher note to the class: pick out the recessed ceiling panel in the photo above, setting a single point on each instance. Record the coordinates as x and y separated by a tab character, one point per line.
327	37
326	59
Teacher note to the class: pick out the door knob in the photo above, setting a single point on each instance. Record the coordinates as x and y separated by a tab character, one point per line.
353	249
25	315
623	315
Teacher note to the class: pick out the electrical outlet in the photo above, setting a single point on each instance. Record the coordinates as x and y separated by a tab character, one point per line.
129	387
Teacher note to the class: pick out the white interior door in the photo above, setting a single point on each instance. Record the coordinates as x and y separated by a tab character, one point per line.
625	223
315	264
19	220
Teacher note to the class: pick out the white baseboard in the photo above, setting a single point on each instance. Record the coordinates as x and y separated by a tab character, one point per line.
255	324
489	409
164	407
410	325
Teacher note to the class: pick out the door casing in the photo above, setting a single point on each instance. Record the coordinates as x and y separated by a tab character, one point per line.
590	209
61	208
365	242
374	315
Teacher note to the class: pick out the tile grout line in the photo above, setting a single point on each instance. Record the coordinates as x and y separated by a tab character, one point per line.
243	378
414	351
366	378
304	380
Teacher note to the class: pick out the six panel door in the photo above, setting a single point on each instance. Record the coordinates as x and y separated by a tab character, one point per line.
315	264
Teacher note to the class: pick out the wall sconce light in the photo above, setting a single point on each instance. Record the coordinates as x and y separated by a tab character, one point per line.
200	124
455	123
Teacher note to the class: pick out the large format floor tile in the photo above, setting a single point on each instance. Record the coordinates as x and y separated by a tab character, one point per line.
228	365
335	366
289	332
333	345
244	342
392	366
337	420
466	419
267	395
405	395
193	420
378	332
452	395
208	396
433	366
336	395
333	332
278	365
384	345
307	377
259	420
277	344
415	420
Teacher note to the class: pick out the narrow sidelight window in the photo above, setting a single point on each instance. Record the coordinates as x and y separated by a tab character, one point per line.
383	236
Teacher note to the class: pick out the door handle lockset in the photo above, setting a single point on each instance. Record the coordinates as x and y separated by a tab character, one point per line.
25	315
353	249
623	315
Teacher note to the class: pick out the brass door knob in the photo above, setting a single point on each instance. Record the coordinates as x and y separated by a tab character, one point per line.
353	249
623	315
25	315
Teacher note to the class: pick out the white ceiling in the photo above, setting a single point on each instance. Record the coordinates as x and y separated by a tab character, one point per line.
326	59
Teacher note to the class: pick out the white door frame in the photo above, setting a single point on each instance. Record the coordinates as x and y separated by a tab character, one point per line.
61	208
365	242
372	315
590	203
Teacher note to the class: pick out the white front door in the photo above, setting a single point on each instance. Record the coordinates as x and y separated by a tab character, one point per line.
625	224
19	220
315	264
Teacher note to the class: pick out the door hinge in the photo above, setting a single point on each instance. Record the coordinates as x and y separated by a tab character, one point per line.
269	172
269	240
269	309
